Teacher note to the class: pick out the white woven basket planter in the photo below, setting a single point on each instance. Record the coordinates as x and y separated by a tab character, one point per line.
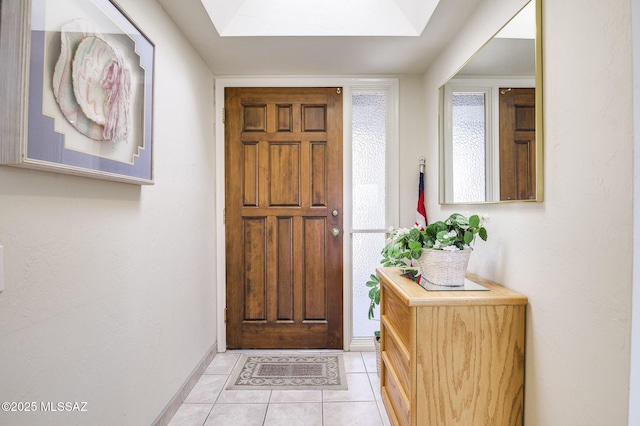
445	268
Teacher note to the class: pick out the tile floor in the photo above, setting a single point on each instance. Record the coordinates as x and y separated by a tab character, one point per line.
209	403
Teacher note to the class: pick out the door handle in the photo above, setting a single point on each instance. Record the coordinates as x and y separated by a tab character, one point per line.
335	232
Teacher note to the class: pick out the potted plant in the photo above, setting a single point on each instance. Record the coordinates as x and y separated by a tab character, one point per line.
446	247
404	245
441	250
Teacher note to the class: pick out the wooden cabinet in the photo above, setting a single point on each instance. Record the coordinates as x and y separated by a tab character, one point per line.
451	357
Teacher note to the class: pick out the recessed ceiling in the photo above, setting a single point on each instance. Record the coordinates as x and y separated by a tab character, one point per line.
305	55
239	18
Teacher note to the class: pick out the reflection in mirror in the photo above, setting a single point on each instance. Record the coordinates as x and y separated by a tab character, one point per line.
490	115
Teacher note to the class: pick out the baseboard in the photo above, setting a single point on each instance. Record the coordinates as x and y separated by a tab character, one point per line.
170	410
362	344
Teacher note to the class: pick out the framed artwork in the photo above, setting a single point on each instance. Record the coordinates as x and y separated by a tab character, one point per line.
76	90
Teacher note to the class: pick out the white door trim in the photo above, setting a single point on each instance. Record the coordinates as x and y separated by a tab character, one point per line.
634	374
263	81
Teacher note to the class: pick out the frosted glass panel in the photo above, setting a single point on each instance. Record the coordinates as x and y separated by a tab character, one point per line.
366	258
468	125
369	168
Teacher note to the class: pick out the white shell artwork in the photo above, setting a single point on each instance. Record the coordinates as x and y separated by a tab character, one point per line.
72	35
92	57
92	84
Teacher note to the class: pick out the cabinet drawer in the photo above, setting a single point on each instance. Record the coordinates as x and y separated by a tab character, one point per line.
399	401
398	314
398	354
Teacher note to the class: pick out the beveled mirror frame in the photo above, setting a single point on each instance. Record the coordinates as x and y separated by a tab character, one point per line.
539	138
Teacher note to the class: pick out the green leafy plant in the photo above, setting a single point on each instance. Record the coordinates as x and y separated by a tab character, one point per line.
402	246
457	232
374	294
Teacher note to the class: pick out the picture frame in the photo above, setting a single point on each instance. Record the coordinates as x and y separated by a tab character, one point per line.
76	92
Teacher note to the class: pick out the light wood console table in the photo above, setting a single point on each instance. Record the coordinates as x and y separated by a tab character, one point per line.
451	357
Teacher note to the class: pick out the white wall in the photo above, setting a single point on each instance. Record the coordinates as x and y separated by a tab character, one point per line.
110	290
412	130
572	254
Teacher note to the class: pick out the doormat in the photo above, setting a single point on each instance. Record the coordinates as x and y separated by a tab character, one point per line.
289	371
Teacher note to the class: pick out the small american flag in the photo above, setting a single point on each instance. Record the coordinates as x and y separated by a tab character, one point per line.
421	212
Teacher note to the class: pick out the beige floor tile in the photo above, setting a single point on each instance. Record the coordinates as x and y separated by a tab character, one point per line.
359	390
237	415
375	385
296	396
370	362
244	396
293	414
222	363
351	414
206	389
191	415
353	362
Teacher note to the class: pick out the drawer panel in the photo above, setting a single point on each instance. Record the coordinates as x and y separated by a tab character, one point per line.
399	401
399	358
398	314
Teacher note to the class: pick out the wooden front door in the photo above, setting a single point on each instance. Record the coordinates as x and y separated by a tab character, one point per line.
283	168
518	144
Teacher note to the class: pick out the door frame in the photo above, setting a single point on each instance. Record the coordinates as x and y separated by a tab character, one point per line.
348	84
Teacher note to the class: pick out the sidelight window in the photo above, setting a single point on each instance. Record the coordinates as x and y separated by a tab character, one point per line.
369	168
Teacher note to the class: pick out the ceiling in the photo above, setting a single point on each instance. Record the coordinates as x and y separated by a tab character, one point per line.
318	55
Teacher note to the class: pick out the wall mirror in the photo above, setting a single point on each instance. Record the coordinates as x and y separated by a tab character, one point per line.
490	129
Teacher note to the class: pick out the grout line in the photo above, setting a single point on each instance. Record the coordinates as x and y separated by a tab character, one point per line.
208	414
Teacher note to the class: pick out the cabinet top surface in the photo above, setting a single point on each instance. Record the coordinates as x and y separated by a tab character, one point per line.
414	295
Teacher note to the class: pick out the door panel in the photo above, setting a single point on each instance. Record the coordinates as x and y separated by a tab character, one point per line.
517	144
283	174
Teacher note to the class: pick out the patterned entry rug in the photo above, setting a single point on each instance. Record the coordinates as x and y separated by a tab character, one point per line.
289	371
